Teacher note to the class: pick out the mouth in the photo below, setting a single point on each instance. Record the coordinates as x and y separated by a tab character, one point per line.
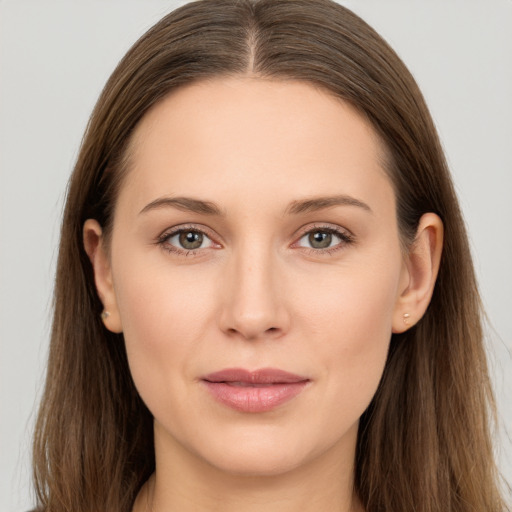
254	392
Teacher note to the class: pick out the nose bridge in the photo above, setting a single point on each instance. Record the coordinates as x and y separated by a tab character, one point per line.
253	306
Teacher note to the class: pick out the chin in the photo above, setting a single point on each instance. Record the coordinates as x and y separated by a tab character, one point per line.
259	464
258	456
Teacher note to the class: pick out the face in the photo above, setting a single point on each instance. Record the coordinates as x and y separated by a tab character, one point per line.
255	235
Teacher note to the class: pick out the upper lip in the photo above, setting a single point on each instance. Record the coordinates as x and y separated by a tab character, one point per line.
260	376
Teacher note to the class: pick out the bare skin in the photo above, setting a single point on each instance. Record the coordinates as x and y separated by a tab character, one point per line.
256	228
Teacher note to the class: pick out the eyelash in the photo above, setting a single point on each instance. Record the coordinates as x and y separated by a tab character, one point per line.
163	240
345	238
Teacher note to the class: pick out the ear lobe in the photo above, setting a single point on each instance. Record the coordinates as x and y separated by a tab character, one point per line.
94	247
422	265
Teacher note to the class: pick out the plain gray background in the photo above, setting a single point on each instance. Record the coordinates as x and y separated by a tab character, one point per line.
54	59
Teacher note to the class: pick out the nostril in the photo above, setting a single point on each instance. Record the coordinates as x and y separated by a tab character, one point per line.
271	331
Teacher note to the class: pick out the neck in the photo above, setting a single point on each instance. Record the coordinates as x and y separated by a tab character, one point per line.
186	483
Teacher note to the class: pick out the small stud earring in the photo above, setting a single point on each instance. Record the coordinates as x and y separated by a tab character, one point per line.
104	314
406	318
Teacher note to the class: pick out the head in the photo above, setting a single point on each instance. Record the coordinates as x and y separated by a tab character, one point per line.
425	350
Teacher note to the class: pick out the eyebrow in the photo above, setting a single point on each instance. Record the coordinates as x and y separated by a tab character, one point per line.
320	203
186	204
189	204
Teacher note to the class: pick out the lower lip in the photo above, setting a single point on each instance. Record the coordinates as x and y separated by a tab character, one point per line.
252	398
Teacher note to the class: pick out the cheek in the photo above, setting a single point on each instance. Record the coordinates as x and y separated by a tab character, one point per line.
163	317
353	303
351	323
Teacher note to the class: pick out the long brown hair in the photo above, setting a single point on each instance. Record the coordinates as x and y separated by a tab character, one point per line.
424	443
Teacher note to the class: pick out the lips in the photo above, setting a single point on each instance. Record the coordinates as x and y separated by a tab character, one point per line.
257	391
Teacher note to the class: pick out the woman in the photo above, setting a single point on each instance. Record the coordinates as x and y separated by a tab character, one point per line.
264	293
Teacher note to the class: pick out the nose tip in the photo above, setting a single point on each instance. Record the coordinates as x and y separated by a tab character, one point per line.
252	327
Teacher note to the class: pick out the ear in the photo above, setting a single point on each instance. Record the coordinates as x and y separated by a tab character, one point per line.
421	267
95	249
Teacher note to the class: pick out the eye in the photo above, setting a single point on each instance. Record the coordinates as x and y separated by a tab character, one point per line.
324	238
184	240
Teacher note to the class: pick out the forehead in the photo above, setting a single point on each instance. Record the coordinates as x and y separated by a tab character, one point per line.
248	136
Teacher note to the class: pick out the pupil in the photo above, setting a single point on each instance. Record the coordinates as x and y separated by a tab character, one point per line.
191	239
320	239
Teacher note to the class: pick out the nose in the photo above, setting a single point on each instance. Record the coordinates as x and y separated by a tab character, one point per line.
254	299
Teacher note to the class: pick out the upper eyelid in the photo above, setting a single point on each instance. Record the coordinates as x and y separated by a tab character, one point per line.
327	226
303	229
186	227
